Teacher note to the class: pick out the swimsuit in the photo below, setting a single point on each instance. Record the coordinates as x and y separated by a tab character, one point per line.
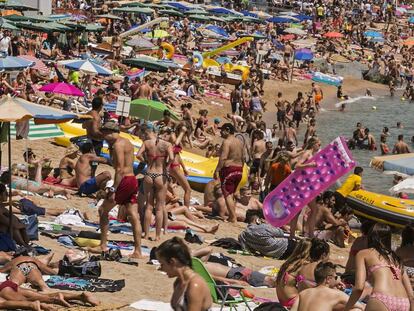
10	284
392	303
27	267
127	191
230	178
88	187
176	150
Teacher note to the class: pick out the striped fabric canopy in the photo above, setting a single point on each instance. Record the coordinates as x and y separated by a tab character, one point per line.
39	131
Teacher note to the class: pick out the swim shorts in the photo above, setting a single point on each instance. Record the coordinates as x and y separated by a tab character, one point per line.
255	166
88	187
10	284
254	278
127	191
230	178
281	116
318	98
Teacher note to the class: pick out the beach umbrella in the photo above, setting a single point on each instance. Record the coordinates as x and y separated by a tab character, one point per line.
149	110
170	12
156	34
248	13
262	14
217	19
62	88
140	42
333	35
148	63
276	56
291	18
12	63
409	42
94	27
372	34
38	64
253	20
256	35
135	10
279	20
39	131
15	109
220	10
109	16
377	40
17	5
86	66
295	31
303	54
221	31
200	18
195	12
9	26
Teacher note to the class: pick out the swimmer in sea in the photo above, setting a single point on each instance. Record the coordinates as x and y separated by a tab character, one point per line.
368	93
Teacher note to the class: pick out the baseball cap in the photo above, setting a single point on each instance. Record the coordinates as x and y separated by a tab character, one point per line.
110	126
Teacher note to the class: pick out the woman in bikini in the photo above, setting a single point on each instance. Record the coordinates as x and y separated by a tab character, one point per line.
177	163
286	281
319	251
406	251
190	290
157	154
391	288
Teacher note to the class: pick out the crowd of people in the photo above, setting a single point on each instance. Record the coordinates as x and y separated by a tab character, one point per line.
230	126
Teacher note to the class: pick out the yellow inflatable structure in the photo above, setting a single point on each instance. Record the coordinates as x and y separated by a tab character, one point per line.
169	49
200	169
382	208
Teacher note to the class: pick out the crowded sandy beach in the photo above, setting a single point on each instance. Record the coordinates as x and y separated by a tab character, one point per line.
206	155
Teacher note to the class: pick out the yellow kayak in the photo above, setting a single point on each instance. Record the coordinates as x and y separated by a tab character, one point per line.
200	169
382	208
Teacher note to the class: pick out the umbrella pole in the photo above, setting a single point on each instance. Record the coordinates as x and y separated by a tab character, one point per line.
10	184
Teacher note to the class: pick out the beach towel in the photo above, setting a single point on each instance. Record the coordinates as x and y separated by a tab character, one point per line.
85	284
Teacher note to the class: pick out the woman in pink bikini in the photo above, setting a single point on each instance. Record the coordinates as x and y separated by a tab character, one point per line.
286	281
379	264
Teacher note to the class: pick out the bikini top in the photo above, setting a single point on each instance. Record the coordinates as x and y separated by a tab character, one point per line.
157	156
177	149
396	272
301	278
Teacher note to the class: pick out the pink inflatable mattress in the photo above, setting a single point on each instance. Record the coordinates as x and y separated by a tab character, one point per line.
302	186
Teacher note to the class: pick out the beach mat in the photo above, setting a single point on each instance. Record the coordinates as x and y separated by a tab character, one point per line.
103	307
85	284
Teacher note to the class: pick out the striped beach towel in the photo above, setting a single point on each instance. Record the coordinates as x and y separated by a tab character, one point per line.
40	131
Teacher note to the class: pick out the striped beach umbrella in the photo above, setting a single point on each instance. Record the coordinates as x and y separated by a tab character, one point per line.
86	66
39	131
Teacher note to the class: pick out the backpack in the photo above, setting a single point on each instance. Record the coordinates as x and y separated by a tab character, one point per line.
84	269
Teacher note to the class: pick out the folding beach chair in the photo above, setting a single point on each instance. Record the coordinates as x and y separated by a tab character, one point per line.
220	290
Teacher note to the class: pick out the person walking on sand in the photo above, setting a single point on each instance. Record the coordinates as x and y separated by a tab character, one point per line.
125	187
230	167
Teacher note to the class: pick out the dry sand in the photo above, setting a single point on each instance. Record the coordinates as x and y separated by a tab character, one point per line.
144	281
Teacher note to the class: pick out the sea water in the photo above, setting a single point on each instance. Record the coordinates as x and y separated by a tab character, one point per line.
388	112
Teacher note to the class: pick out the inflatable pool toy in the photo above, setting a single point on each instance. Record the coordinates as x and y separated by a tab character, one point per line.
245	71
227	47
169	48
135	30
302	186
200	169
207	62
382	208
327	79
199	59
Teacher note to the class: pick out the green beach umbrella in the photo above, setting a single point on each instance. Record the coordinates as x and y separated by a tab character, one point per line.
147	63
170	13
135	10
199	18
195	12
16	5
9	26
157	33
109	16
149	110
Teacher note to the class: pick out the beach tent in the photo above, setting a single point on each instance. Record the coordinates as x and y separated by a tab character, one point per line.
402	164
14	109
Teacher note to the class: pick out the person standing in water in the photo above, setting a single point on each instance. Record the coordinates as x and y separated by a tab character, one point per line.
230	167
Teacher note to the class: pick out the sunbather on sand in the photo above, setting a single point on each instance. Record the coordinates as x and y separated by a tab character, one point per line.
35	186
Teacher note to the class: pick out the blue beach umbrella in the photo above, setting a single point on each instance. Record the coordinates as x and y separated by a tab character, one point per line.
303	54
377	40
279	20
86	66
221	31
11	63
372	34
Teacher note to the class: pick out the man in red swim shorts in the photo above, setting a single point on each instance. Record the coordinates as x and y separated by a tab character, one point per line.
230	167
125	186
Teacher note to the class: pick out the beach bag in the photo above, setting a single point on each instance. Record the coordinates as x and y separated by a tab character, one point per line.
32	229
6	243
84	269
